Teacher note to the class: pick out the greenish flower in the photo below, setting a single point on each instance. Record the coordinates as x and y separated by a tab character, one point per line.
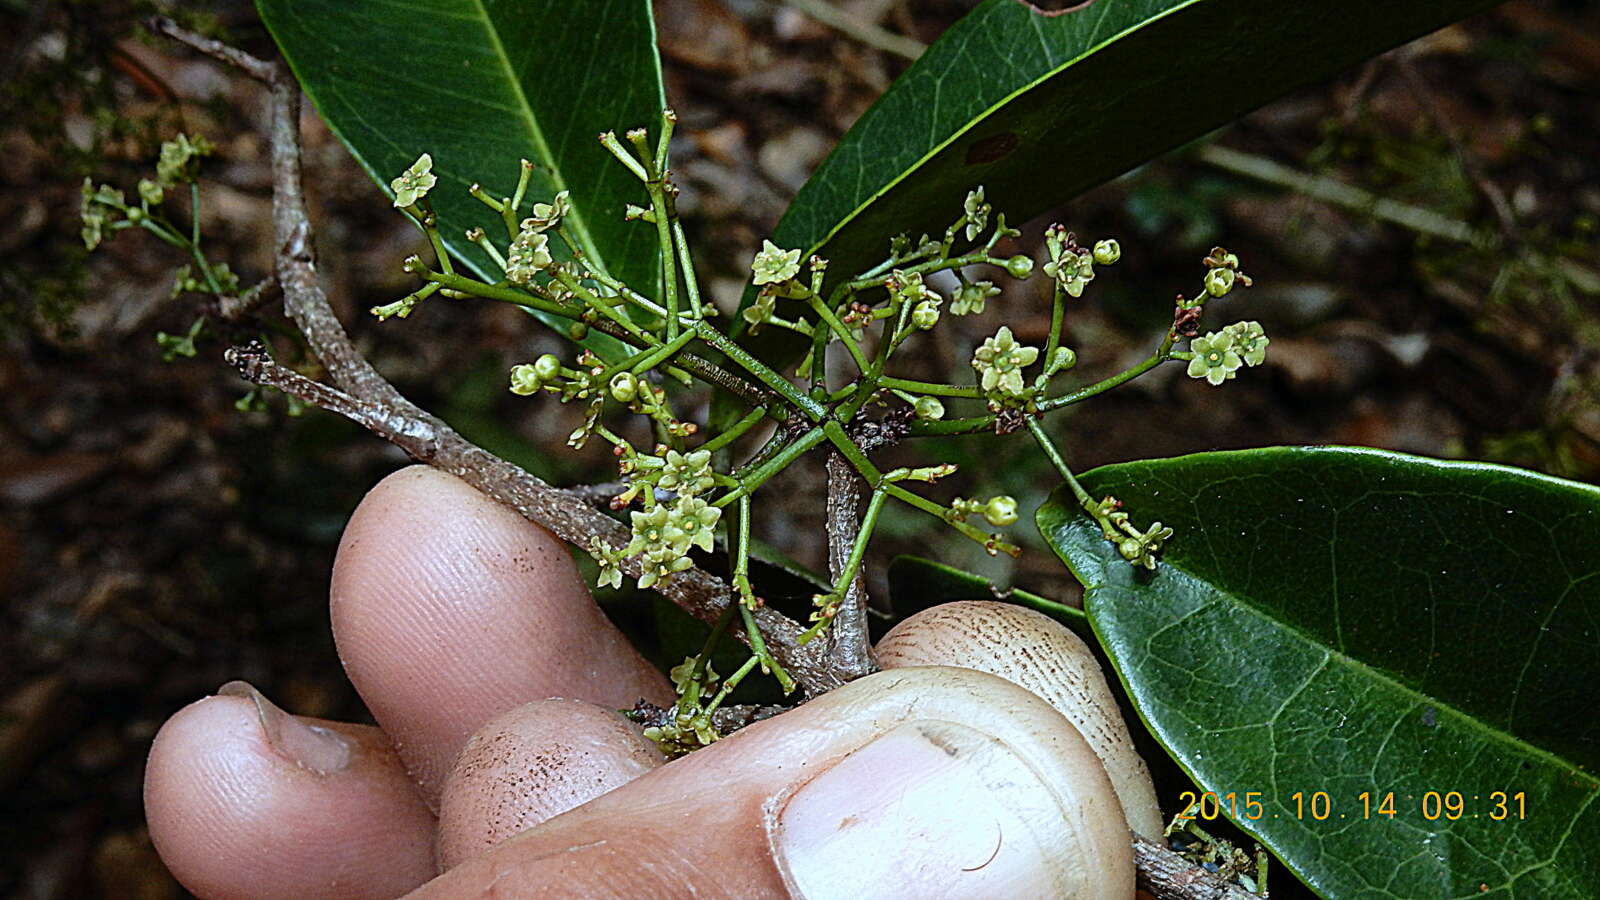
662	561
183	282
760	312
414	183
1141	548
180	159
1000	511
97	208
1220	281
1063	359
610	572
548	215
1107	252
687	473
1215	359
654	529
1000	362
624	387
151	192
529	254
929	409
176	345
774	265
525	380
1019	266
925	314
1072	267
227	281
1249	341
697	519
682	675
977	213
970	298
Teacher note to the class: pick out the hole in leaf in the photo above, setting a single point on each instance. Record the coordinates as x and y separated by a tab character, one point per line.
1055	7
992	149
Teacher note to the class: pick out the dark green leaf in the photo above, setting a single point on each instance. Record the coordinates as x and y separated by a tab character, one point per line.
1038	108
1348	621
916	584
481	84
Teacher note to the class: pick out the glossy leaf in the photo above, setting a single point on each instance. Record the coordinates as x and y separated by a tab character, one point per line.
1353	621
1038	108
479	85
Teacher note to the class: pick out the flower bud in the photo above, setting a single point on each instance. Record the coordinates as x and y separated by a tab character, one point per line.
1000	511
547	367
1063	359
1130	549
525	380
1107	252
929	409
1219	282
925	315
624	387
578	331
1020	266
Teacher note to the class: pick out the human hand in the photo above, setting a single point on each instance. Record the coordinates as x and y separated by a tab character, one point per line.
452	613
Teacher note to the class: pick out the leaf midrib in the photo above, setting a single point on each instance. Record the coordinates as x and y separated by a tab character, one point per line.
580	229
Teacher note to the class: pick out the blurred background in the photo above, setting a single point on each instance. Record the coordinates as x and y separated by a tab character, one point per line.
156	541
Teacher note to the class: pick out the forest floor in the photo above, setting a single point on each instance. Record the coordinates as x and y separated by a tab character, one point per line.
155	542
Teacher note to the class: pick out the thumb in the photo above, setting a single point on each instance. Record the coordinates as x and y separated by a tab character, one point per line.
916	782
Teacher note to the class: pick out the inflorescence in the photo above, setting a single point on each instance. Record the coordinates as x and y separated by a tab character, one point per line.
683	484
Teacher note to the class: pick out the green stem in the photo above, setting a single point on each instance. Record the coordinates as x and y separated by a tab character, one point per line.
839	331
731	682
759	645
758	475
1162	354
928	387
811	408
691	697
503	294
691	284
1054	455
945	515
852	453
571	283
1058	315
736	430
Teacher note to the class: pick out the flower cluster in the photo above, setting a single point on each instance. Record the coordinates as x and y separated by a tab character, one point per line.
179	163
1219	355
976	213
664	532
1135	546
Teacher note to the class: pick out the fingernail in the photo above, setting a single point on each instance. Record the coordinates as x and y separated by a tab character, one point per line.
928	809
322	750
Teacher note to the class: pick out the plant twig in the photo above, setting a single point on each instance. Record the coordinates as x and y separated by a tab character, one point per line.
367	397
849	646
1168	876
